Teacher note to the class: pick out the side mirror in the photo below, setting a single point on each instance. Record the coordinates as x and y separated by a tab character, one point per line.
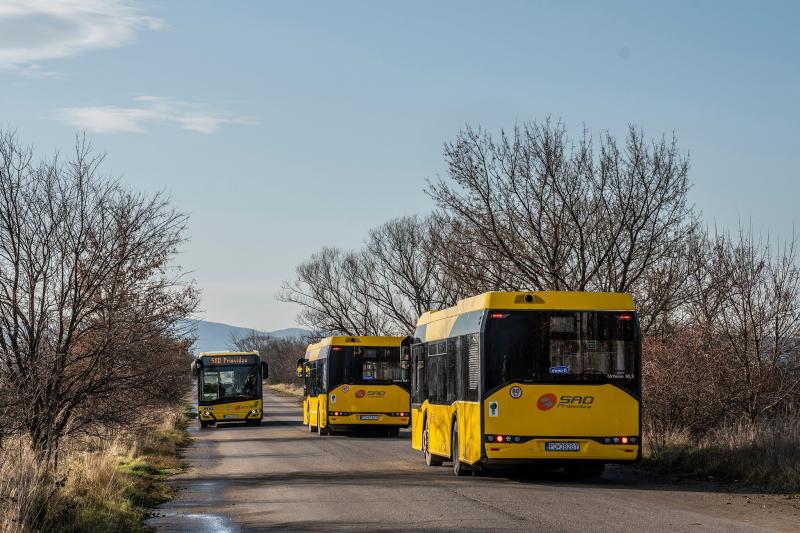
264	370
197	364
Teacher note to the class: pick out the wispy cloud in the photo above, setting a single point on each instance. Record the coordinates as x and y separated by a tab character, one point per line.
150	110
37	30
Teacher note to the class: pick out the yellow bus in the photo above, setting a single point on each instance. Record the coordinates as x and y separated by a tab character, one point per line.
229	387
509	378
355	382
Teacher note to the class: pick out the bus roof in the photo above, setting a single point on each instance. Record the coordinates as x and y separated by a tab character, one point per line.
542	300
312	352
217	354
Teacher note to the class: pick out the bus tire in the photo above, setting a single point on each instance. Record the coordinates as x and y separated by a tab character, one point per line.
430	459
253	422
203	425
585	470
459	468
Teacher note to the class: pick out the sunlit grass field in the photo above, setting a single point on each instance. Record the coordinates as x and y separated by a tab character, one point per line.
98	484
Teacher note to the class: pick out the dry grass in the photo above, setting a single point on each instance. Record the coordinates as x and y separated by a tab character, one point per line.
288	389
765	454
98	485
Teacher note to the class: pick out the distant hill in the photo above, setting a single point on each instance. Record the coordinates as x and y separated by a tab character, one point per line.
213	336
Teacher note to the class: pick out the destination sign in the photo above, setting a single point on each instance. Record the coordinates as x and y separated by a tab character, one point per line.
231	360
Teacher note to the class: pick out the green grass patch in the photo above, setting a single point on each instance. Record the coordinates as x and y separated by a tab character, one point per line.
114	494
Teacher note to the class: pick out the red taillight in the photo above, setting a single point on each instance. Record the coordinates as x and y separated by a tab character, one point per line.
337	348
499	438
624	317
624	440
498	315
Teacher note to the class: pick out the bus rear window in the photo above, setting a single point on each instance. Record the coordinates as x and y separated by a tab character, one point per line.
557	346
365	365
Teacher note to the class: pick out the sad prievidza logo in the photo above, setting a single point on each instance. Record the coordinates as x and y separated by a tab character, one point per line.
549	400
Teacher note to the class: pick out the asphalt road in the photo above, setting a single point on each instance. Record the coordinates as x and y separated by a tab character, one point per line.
280	477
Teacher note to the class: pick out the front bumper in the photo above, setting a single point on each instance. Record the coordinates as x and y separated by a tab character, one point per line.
211	416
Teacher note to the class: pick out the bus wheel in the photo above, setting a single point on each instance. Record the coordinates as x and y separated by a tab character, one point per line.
585	471
459	468
430	459
203	424
253	422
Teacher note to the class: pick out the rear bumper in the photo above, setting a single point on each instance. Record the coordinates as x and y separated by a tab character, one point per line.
511	464
369	419
534	450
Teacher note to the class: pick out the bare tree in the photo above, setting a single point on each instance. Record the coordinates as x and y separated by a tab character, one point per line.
88	300
404	272
280	353
378	290
732	350
749	302
334	293
540	211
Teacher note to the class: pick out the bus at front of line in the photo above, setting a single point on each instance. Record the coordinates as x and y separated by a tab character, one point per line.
355	382
229	387
509	378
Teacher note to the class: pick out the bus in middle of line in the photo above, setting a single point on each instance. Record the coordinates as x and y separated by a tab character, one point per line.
355	382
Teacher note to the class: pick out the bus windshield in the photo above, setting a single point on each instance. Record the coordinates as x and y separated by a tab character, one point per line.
559	346
364	365
229	383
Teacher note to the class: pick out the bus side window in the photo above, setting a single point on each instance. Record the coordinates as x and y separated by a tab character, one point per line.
451	370
419	390
311	380
436	373
317	377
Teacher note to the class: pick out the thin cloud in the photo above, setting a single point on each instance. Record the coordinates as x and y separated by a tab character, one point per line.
151	110
38	30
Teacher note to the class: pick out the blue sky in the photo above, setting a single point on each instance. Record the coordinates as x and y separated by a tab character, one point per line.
283	127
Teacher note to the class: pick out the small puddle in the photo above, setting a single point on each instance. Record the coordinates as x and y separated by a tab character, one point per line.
194	522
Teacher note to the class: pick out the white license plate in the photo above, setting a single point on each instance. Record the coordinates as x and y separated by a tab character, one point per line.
562	446
369	417
231	416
